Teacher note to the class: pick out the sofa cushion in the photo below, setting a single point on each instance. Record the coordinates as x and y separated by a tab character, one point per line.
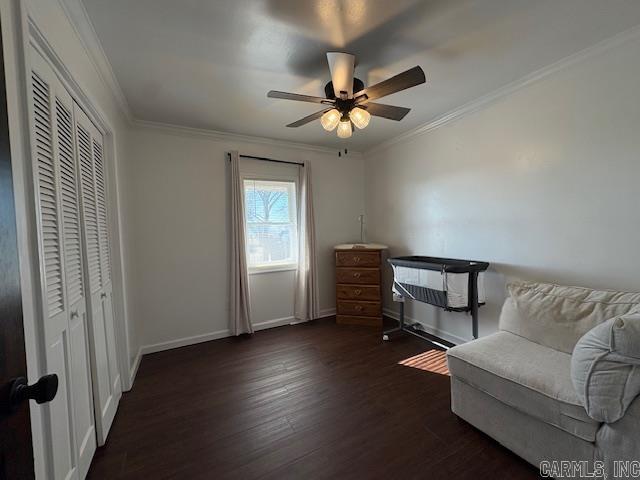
605	368
556	316
528	377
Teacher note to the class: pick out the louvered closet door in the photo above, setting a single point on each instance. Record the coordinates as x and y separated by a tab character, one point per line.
105	258
107	386
70	415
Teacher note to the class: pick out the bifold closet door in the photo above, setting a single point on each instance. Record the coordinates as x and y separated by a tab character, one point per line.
107	387
70	416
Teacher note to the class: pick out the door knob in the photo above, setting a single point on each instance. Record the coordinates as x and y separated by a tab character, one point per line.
44	390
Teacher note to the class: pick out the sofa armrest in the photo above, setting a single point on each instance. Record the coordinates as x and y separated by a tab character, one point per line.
633	413
620	440
606	379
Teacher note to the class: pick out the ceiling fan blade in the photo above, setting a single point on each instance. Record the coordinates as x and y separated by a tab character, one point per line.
412	77
341	66
390	112
308	118
298	97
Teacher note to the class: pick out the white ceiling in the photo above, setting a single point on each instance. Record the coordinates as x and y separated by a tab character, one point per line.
209	63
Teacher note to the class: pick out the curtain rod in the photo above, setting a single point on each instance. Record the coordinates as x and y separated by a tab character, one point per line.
268	159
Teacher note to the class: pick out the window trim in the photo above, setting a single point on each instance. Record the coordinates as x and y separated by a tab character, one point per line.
274	266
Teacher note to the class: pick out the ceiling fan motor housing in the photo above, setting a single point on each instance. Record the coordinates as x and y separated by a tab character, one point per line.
328	88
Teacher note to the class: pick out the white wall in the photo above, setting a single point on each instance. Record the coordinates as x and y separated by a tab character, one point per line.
543	184
178	195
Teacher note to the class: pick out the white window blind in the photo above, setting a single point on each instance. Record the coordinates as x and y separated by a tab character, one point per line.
271	224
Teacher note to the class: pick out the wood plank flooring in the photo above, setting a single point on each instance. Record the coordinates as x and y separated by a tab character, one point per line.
311	401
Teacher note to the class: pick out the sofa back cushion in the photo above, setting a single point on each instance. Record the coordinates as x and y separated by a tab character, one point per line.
557	316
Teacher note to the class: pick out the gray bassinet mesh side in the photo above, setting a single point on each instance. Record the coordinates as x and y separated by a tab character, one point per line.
422	294
442	289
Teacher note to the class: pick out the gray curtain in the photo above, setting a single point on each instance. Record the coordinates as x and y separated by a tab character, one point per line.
240	309
306	295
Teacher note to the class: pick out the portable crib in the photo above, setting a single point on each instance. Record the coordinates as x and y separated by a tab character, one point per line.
452	284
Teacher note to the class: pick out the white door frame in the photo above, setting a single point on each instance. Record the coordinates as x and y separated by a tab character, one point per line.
20	32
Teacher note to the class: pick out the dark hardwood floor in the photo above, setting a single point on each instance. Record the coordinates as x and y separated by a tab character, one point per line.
311	401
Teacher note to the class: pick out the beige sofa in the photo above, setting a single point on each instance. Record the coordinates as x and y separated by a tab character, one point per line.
516	385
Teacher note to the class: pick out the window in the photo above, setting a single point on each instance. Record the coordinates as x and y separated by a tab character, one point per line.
271	220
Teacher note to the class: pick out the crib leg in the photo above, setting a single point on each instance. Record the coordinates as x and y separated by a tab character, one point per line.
473	297
475	326
400	328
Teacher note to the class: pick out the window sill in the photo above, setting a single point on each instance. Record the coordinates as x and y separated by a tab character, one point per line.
273	268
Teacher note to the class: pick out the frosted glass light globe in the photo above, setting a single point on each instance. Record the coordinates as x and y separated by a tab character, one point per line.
344	129
330	119
360	117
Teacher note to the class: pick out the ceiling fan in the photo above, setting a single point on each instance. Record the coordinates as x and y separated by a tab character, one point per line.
348	101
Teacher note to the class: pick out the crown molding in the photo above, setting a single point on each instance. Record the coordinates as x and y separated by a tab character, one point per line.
78	17
484	101
84	29
233	137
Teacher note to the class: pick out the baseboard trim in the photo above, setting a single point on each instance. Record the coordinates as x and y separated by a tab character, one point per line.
327	312
206	337
183	342
443	334
133	371
295	321
276	322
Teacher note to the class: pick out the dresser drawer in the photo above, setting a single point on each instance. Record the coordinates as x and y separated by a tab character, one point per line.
357	292
369	276
364	309
357	259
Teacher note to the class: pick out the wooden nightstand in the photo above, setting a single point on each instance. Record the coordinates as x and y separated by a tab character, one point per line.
358	284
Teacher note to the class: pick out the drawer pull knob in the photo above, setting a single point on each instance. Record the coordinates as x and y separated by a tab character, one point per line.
357	292
356	259
357	274
358	308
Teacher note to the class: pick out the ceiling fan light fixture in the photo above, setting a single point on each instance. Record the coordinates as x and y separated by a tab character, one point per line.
330	119
344	128
343	105
360	117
